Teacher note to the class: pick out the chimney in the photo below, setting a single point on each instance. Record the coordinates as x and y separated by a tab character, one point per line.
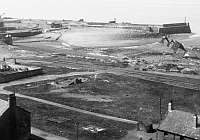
170	106
195	118
12	100
12	116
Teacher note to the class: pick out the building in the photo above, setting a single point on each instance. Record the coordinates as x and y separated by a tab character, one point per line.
179	125
56	25
15	122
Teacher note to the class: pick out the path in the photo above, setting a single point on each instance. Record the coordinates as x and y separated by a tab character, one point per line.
45	77
45	135
76	109
174	79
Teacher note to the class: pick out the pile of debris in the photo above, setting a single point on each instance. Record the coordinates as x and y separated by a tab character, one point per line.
6	67
170	67
65	84
189	71
78	80
177	67
8	39
99	132
139	64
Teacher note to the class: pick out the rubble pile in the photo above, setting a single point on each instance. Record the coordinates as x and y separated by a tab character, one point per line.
67	83
6	67
171	67
166	66
189	71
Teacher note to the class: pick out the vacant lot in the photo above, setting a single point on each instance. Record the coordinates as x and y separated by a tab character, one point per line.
120	96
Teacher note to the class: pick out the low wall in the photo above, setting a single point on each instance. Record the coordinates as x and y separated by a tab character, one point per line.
24	33
7	28
11	76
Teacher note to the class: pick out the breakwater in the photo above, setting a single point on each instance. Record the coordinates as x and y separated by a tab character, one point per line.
175	28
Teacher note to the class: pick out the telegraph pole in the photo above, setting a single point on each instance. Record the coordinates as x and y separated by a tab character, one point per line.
77	132
160	107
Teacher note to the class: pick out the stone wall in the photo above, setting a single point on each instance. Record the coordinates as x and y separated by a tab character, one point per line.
175	28
11	76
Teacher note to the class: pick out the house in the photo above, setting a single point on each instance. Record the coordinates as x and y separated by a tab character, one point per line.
179	125
15	122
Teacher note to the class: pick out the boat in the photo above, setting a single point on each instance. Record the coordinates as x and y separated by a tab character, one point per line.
24	33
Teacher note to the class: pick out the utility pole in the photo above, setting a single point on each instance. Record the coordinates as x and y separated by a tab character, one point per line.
172	93
77	126
160	107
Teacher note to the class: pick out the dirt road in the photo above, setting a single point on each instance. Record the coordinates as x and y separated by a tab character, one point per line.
45	135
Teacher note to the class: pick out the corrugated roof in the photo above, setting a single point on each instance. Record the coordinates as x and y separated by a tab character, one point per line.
3	106
181	123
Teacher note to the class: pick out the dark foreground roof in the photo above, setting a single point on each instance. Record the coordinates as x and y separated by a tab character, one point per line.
180	123
4	106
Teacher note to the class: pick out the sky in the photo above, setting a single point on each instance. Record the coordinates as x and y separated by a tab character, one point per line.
135	11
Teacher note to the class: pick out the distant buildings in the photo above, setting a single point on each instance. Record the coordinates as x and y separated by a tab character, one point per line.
179	125
81	20
15	122
56	25
1	28
113	21
1	23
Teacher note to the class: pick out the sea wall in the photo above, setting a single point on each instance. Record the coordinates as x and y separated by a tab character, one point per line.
3	29
174	24
11	76
137	27
175	28
24	33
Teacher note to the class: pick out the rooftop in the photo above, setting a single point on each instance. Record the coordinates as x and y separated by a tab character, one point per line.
181	123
